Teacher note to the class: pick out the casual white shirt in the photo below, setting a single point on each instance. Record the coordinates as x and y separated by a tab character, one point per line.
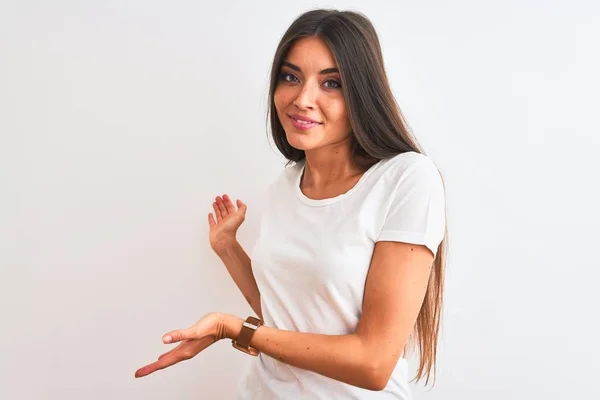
311	261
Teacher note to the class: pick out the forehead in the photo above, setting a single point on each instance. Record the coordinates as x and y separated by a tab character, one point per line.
311	54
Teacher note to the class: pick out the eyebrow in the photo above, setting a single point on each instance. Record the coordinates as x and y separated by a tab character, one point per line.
323	72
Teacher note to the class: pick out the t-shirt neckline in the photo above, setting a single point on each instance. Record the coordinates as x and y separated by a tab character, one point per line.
324	202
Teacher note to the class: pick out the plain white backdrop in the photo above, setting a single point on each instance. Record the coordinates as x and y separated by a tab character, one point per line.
121	120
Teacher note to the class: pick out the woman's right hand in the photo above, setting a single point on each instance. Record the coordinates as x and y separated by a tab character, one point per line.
228	219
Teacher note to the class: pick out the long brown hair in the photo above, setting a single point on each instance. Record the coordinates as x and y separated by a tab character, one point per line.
379	131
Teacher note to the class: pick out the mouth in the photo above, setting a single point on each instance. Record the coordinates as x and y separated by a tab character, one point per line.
303	123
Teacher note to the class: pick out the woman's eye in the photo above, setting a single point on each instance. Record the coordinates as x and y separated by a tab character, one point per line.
331	84
287	77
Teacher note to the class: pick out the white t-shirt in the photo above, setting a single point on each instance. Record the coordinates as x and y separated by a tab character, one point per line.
311	261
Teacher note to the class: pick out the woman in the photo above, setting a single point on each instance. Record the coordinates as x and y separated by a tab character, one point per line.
348	267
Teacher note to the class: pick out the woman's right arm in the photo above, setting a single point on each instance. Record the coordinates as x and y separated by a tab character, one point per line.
223	241
239	266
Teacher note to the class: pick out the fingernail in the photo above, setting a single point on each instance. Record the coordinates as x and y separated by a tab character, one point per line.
167	339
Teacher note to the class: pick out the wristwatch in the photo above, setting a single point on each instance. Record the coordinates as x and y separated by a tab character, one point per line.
243	341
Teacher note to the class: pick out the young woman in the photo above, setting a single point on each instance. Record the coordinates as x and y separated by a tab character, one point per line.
348	268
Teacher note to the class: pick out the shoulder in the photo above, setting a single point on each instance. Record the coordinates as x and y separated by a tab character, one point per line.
410	159
292	171
286	177
412	168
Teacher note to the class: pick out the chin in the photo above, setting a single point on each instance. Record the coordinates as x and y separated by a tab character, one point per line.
300	143
303	140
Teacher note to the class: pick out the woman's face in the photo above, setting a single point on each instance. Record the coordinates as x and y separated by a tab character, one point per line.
308	97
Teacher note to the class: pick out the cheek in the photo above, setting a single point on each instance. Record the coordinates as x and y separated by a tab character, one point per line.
335	112
281	98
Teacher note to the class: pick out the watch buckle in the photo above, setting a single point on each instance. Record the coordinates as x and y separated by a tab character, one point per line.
250	350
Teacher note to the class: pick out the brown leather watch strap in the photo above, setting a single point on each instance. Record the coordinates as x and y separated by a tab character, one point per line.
245	336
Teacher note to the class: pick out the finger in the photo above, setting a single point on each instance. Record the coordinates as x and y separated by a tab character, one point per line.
241	206
163	363
179	335
221	205
178	347
217	212
228	204
211	220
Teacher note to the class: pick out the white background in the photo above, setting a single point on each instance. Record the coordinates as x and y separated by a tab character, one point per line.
121	120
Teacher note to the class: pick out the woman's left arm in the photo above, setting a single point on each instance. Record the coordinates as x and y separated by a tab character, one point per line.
394	291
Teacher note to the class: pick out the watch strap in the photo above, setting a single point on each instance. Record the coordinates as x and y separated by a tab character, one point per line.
245	336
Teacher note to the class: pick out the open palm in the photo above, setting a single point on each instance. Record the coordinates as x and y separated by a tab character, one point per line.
224	228
193	340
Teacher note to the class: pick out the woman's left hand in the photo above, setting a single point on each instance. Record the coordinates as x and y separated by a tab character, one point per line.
208	330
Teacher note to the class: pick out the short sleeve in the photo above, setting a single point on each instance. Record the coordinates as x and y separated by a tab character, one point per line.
417	208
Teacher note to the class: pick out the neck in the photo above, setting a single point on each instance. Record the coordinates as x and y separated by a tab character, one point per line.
328	165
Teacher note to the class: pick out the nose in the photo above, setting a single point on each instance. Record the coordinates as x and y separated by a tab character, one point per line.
307	96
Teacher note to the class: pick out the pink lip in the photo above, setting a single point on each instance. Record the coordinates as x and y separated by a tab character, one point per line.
301	118
310	123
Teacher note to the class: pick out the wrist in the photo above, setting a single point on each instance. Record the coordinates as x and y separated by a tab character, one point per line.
223	246
232	325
